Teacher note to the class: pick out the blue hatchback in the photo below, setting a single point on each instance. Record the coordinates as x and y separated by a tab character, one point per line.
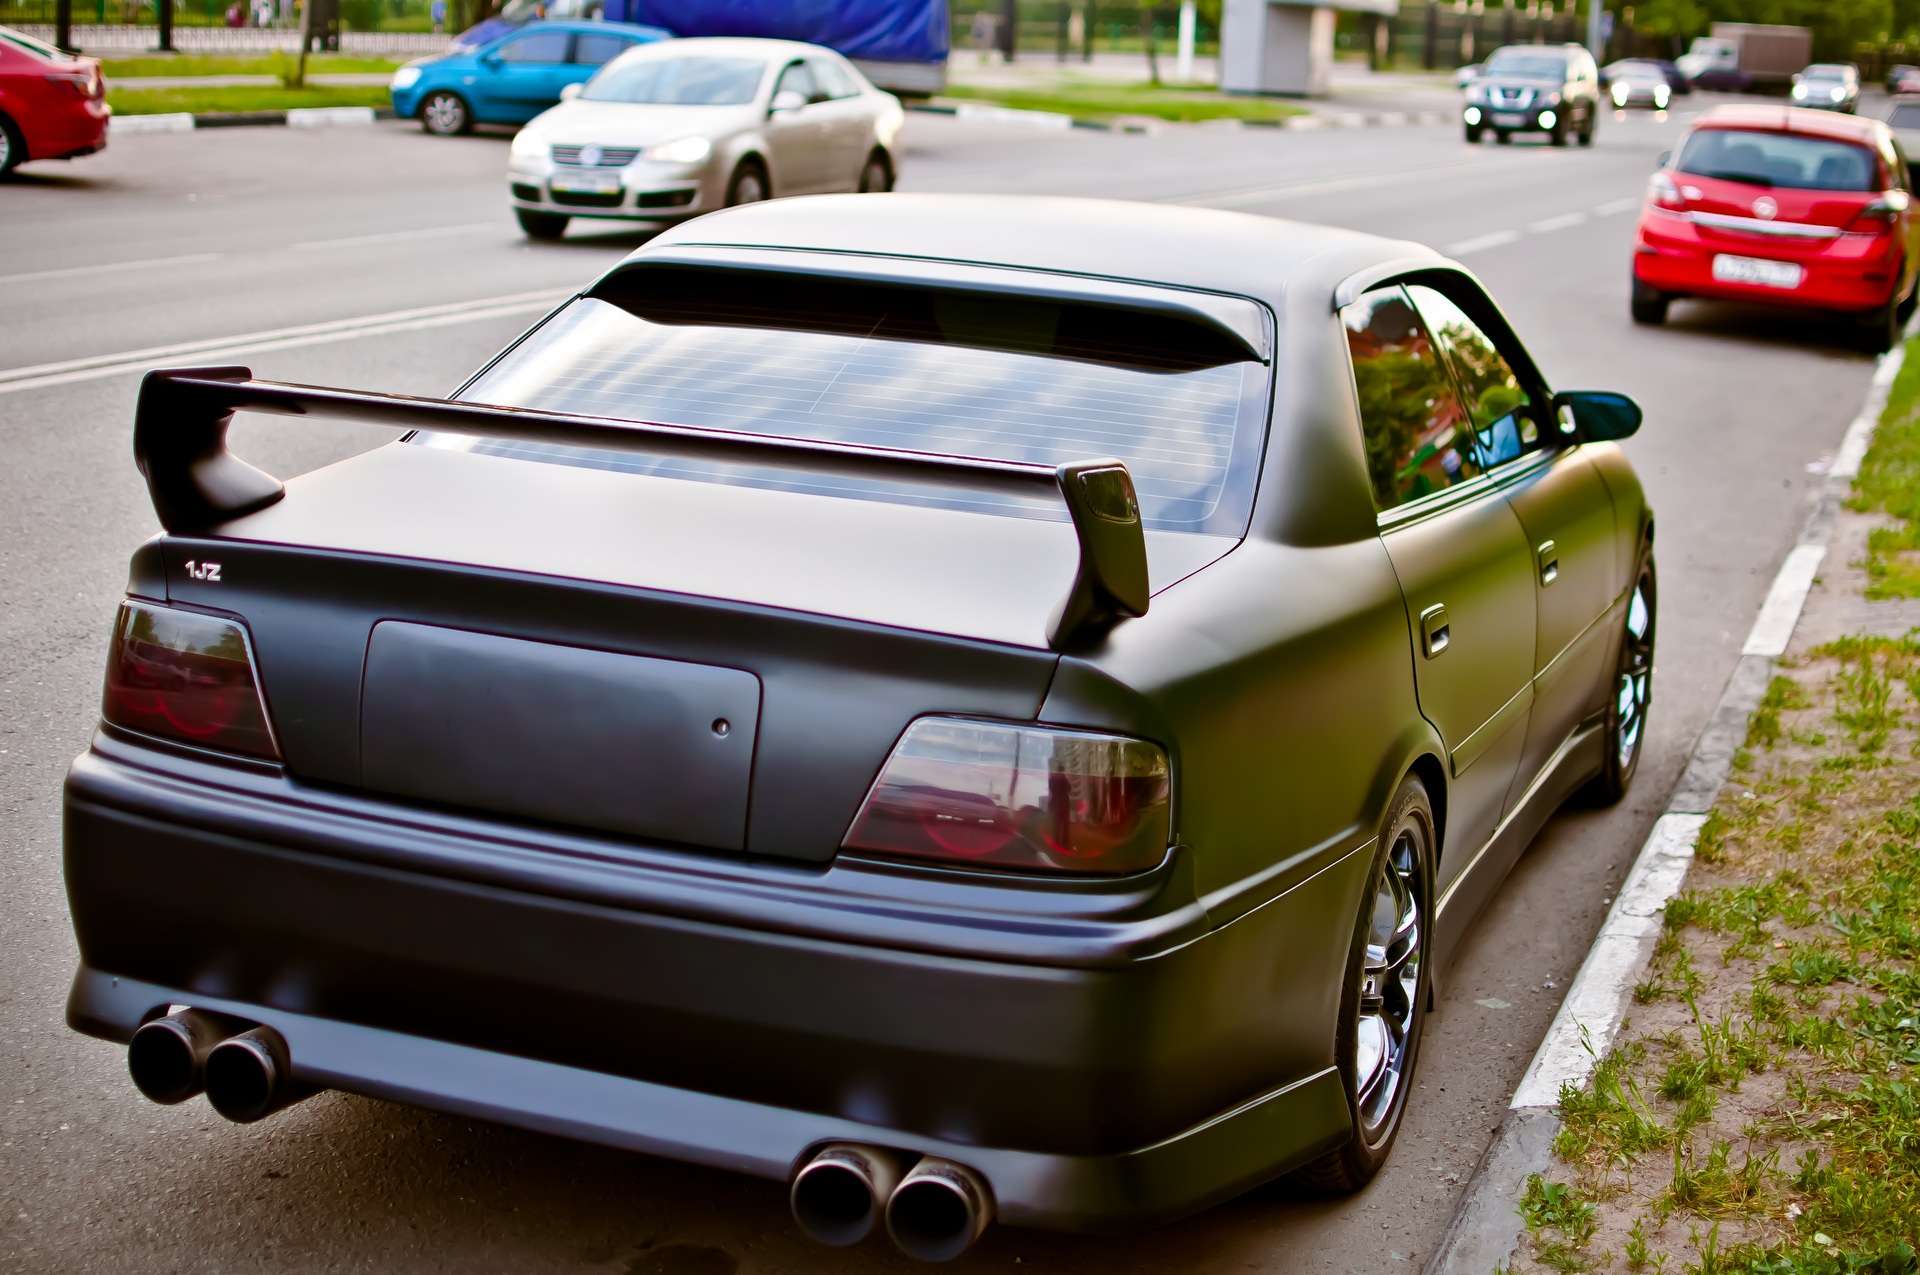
512	78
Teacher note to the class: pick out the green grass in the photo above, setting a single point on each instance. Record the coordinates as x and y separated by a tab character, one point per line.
196	101
256	64
1889	482
1097	101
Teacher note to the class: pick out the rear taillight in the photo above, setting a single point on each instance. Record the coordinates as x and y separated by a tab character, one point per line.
81	83
1664	193
1878	217
188	677
1020	797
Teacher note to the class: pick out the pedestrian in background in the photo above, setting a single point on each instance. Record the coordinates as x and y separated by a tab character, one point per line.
439	15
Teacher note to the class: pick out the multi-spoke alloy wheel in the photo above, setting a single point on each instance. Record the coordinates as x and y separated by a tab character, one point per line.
1631	694
1384	1001
445	114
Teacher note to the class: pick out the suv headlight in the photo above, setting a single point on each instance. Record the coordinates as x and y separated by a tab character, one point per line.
406	77
687	150
528	145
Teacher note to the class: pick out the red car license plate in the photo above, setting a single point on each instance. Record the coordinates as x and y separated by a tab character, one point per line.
1757	270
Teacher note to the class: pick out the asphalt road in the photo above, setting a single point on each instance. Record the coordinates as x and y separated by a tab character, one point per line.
237	236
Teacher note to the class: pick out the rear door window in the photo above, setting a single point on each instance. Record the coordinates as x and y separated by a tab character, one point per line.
595	49
954	373
1502	419
1419	437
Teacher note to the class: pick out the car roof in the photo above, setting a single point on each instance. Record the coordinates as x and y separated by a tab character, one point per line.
1824	69
1164	244
1792	119
735	46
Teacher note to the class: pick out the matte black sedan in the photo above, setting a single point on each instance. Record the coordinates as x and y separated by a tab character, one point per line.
915	697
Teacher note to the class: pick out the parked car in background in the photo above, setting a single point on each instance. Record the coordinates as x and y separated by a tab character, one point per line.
1828	86
1535	88
53	104
1903	79
967	706
1638	83
671	130
1678	85
1794	208
513	78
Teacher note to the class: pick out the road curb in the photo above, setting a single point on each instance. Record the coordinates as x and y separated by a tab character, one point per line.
988	112
1486	1227
293	117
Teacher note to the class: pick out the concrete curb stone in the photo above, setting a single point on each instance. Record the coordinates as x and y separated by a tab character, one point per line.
293	117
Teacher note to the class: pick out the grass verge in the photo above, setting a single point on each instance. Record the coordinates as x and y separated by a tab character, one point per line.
1761	1113
252	64
1889	483
163	101
1105	102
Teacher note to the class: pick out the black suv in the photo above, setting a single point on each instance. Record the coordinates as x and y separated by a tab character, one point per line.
1535	88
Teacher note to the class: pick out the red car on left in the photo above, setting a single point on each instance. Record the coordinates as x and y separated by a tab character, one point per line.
53	105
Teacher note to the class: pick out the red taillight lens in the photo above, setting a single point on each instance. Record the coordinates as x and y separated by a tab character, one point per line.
1878	217
1020	797
79	83
1665	193
186	676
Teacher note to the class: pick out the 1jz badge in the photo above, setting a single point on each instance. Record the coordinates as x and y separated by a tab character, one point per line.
207	571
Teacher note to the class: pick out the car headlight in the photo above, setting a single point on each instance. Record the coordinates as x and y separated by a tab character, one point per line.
406	77
1548	119
687	150
1660	95
1799	90
528	145
1619	95
1472	115
1835	95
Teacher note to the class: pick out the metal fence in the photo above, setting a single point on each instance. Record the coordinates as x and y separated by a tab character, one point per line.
140	38
1439	35
1066	29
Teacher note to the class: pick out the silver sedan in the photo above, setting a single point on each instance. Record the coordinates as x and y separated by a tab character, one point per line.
682	127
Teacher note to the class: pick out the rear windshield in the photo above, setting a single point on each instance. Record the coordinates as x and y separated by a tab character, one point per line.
1778	159
1530	66
956	373
666	81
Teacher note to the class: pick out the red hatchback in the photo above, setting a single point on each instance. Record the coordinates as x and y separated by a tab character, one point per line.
53	105
1790	207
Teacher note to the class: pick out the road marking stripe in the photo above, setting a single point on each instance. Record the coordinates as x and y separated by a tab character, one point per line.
71	370
1327	185
1480	243
111	267
1564	221
397	236
1613	206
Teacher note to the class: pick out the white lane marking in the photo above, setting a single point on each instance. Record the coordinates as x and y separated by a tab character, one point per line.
1480	243
111	267
1584	1028
1613	206
1773	627
1564	221
71	370
1329	185
397	236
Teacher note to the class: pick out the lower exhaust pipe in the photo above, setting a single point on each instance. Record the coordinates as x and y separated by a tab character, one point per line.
938	1210
167	1057
250	1076
839	1195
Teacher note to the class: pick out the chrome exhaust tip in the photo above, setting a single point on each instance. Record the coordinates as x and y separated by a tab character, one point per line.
939	1209
250	1076
839	1195
167	1057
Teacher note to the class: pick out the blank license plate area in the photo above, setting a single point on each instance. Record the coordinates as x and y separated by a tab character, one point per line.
1768	274
598	184
659	749
1508	119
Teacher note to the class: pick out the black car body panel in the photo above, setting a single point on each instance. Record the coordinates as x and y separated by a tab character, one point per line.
500	924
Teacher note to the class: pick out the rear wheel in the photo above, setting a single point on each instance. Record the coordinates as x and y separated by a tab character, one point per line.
1880	327
1632	691
1383	1003
1649	304
445	114
877	176
749	184
539	225
13	147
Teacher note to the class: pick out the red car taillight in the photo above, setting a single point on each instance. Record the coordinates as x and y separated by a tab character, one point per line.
84	84
1878	217
1665	193
188	677
1022	797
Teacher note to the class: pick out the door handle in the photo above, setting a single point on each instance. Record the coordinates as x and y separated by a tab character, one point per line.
1434	632
1549	555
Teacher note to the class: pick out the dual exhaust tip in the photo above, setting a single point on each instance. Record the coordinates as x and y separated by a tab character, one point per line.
243	1069
933	1209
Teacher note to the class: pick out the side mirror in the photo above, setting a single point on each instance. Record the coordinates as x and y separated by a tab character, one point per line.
490	59
1665	158
570	91
786	100
1598	416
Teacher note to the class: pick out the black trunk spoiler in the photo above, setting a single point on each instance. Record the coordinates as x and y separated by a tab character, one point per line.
180	444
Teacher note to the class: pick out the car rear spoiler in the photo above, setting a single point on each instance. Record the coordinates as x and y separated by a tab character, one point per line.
180	444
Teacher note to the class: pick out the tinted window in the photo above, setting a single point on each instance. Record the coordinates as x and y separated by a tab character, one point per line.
952	373
594	50
1530	66
1497	408
1778	159
678	82
798	79
536	46
1418	436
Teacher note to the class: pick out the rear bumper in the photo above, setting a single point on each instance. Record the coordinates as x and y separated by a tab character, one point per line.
80	129
1852	272
1143	1069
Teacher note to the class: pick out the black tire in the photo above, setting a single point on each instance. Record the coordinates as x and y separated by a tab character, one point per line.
1907	306
1630	695
876	175
1557	135
539	225
1880	328
1649	304
445	113
1503	137
1394	984
1473	135
13	147
1586	134
749	184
